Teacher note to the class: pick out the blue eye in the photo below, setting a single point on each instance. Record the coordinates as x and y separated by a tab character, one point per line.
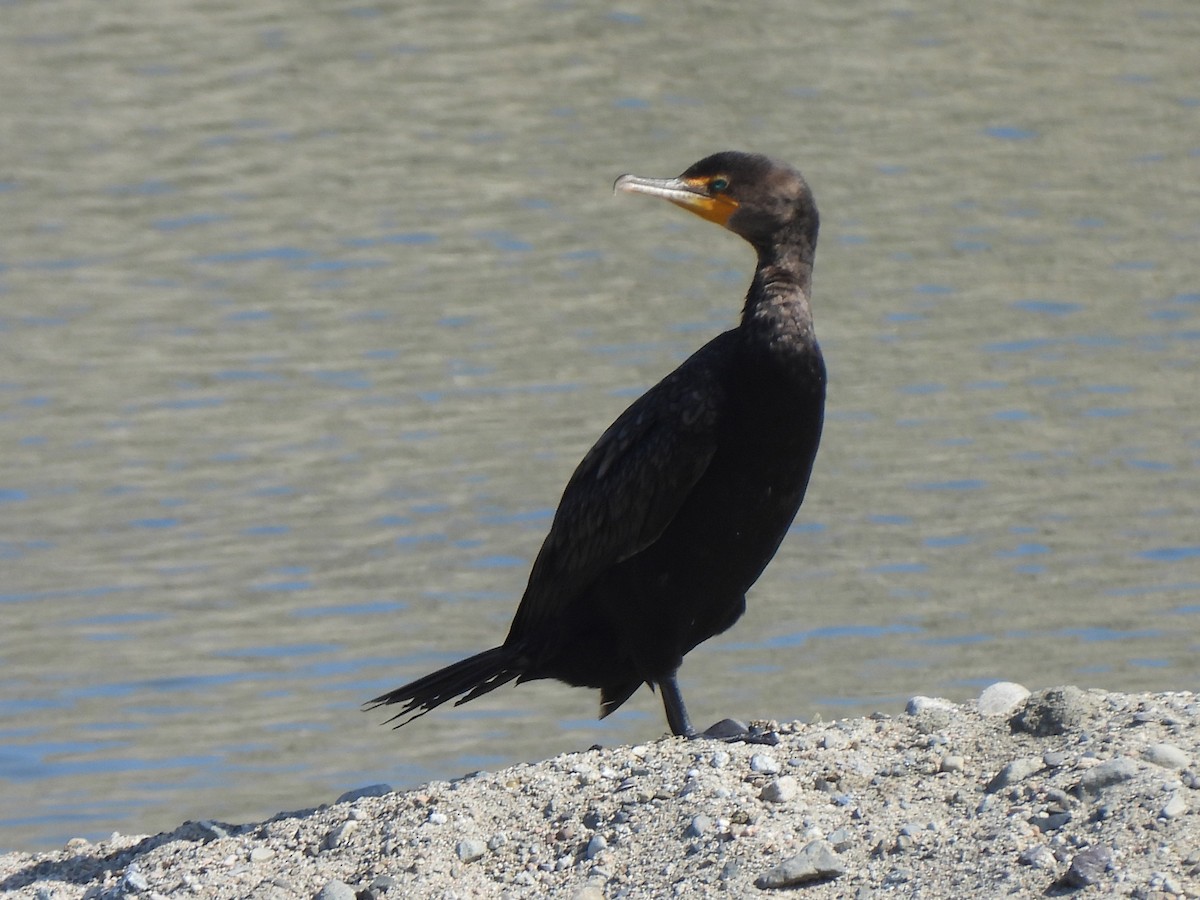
718	184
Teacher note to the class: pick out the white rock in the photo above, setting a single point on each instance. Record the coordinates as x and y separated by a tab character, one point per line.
780	790
764	764
1175	807
1166	755
1001	697
919	704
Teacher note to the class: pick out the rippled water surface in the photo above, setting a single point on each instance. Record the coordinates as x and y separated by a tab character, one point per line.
307	313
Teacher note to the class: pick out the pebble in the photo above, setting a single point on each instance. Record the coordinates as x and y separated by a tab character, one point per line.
1166	755
1054	759
339	835
1088	866
470	849
726	728
1164	882
779	790
134	881
699	826
1017	770
816	862
952	763
841	839
764	764
596	846
336	890
1001	697
1108	773
371	790
834	740
382	884
719	760
212	830
1038	856
497	840
261	854
1175	807
1050	821
920	704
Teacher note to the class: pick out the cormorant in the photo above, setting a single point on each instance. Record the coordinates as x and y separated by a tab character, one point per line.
683	501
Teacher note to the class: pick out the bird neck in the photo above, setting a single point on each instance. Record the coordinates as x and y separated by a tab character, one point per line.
778	312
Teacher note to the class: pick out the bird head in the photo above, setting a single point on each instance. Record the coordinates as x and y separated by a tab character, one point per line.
754	196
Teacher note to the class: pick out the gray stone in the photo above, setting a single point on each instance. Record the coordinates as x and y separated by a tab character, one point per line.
212	830
920	704
382	884
596	846
726	728
1038	857
497	840
261	854
1113	771
951	762
339	835
699	826
841	839
1171	885
1175	807
1166	755
1050	821
1054	759
336	890
371	790
834	740
1017	770
816	862
779	790
1088	866
1001	698
470	849
764	764
134	882
1052	711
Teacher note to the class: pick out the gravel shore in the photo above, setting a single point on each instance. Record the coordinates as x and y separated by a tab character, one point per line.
1063	792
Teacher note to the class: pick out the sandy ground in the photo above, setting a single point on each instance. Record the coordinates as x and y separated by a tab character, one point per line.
1065	792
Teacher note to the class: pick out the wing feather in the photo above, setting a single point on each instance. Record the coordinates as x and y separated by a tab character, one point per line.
629	486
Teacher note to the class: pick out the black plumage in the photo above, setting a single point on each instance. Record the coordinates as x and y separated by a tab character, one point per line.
682	502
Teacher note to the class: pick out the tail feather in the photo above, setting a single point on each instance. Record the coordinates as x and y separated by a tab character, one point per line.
612	696
466	679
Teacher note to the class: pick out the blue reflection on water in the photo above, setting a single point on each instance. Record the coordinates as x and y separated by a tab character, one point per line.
829	632
959	484
1171	554
1010	133
274	651
349	609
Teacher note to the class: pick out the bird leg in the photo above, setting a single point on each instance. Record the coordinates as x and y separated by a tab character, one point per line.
677	716
729	730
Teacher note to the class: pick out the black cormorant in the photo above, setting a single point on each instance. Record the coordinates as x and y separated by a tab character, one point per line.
683	501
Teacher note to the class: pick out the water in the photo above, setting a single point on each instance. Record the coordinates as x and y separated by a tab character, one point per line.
307	315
